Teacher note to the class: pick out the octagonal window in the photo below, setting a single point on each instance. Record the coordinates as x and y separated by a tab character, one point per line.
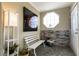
51	20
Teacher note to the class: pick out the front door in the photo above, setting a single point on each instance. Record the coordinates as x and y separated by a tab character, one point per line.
74	29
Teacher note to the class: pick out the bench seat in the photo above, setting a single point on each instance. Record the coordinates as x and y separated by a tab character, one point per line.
35	45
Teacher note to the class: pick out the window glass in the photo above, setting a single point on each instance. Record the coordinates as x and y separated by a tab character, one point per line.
51	20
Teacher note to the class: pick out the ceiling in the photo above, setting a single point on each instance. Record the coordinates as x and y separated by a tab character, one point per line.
46	6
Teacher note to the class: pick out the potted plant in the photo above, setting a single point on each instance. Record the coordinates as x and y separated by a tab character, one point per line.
24	52
12	48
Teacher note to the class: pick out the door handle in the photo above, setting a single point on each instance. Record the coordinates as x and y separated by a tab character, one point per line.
76	32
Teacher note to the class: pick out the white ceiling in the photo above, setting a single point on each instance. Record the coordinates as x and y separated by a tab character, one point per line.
46	6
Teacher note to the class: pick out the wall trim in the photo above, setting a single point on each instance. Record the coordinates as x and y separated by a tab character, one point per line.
35	6
73	6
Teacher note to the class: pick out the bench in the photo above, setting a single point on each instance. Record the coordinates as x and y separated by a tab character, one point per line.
32	42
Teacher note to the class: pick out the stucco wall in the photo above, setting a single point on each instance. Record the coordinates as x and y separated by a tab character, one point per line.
64	19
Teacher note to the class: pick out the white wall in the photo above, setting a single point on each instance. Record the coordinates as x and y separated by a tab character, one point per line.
0	28
78	28
1	31
19	8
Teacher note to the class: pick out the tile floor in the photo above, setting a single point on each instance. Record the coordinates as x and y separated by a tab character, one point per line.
54	51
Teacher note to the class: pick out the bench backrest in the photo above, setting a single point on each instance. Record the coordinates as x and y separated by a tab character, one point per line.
30	39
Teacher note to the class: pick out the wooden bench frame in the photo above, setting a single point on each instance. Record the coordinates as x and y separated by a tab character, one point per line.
30	39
